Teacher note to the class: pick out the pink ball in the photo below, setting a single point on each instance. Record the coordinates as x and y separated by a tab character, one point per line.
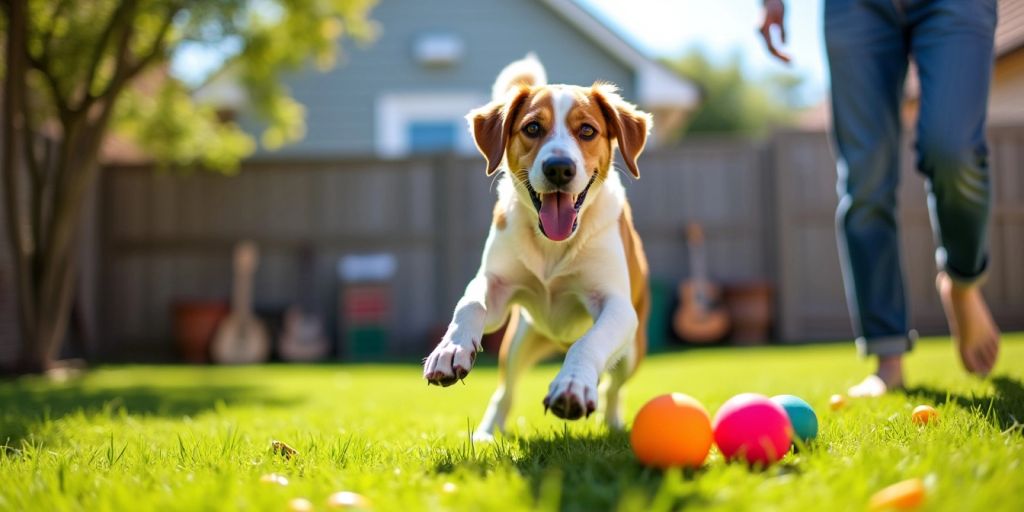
752	427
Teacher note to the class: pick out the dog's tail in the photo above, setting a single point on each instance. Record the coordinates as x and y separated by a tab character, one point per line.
526	71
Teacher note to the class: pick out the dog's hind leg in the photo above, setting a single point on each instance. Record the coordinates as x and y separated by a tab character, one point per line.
521	349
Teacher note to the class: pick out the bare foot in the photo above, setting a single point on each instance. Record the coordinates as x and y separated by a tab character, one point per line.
971	324
889	376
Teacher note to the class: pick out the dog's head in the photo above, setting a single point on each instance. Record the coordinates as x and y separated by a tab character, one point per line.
557	142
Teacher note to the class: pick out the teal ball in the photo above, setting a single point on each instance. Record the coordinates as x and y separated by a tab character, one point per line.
801	416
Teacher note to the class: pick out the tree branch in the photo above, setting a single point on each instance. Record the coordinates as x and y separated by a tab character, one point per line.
126	70
124	9
159	43
47	35
29	136
36	172
42	65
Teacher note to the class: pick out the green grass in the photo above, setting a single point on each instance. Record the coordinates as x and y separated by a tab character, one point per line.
188	438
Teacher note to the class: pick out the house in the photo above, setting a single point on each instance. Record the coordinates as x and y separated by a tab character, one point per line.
409	90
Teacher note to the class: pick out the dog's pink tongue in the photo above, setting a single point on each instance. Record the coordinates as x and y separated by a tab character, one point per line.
557	215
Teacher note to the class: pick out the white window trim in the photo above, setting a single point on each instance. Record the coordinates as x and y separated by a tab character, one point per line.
396	111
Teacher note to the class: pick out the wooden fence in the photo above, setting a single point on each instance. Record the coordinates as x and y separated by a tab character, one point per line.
767	208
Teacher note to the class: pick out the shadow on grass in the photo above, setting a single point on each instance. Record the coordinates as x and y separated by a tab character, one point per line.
581	471
597	473
1004	409
27	406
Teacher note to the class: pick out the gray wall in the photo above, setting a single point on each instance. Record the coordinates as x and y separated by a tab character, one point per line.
340	103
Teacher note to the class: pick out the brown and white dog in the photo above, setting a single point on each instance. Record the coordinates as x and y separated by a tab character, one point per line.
562	261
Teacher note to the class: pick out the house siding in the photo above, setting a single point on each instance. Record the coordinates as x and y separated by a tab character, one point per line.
340	104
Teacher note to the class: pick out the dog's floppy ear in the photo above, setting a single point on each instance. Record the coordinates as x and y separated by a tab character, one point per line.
491	126
629	125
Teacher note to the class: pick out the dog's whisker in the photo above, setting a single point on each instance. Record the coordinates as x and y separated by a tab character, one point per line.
494	180
617	167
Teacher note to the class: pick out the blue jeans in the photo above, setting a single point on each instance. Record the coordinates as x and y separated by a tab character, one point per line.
869	43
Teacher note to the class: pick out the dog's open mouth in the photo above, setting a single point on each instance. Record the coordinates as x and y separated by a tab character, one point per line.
558	211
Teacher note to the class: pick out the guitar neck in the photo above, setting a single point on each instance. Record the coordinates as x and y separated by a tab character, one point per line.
241	303
698	264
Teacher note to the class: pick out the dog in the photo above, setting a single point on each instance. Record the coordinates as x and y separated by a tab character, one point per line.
562	263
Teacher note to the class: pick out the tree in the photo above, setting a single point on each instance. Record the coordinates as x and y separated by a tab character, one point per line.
72	74
731	102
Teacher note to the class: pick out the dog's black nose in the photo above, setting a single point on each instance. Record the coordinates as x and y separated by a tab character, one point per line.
559	170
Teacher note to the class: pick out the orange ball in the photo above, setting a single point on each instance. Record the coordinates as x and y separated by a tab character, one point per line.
903	495
672	430
923	414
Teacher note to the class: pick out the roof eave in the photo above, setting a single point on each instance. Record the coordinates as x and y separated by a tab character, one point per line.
657	86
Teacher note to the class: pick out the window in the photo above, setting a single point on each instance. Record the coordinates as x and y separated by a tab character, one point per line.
425	122
431	136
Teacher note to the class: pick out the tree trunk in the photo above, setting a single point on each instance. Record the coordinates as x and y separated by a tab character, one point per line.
44	211
46	289
20	236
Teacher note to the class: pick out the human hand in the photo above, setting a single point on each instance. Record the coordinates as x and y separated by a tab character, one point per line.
774	15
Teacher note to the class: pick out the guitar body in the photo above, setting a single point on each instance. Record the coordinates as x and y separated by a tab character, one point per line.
302	338
699	318
241	338
696	320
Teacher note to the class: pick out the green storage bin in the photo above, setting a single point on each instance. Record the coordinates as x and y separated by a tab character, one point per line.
661	315
367	341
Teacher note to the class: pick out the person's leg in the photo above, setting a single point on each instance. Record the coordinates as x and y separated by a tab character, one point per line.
952	45
867	55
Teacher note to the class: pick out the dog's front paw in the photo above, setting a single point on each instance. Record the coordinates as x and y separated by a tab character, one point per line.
450	362
573	394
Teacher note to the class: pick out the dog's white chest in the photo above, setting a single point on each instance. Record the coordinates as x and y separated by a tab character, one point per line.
555	309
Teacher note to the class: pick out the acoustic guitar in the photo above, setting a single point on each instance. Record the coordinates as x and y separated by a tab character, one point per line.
302	338
700	318
241	338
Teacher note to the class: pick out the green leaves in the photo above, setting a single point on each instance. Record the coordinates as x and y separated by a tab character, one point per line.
176	131
731	102
116	51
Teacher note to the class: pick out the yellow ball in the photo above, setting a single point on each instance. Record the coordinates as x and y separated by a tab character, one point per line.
672	430
837	402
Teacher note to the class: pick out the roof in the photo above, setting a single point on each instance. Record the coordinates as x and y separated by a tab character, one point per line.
1010	30
656	85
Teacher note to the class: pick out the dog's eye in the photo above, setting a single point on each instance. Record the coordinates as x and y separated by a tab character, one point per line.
532	129
587	132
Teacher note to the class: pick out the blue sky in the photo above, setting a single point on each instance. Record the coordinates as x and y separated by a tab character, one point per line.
722	28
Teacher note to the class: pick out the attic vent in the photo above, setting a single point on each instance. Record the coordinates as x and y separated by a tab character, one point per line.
438	50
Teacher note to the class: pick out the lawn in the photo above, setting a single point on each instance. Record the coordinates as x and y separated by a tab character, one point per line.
191	438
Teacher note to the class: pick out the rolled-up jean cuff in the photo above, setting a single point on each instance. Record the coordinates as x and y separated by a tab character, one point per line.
886	345
958	277
967	280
